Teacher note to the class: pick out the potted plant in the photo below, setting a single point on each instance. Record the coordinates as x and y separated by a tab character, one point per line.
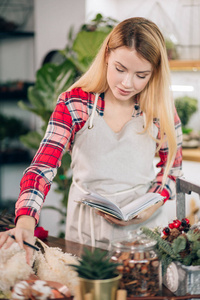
171	49
179	247
98	275
186	107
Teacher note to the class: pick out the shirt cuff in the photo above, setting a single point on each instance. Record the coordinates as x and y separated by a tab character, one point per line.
25	211
165	194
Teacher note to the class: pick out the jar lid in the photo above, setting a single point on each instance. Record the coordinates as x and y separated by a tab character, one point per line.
134	241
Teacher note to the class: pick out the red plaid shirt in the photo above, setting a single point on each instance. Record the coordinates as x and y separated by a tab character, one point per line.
71	112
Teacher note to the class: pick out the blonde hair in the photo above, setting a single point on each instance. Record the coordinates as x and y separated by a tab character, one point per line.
155	100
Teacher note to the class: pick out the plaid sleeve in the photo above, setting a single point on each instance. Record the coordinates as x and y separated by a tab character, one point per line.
176	169
68	117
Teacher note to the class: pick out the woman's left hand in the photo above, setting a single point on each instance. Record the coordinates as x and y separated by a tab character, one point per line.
142	217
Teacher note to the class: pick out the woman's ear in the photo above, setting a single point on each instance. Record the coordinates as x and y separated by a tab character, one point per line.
107	55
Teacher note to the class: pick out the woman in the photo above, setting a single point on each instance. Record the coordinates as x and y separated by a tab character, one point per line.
113	120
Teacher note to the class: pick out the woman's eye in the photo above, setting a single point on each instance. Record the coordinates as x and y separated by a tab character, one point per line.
119	70
141	76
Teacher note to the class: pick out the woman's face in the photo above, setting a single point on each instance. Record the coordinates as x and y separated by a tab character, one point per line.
127	73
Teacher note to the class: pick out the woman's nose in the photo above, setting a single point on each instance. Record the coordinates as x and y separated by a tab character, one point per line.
127	81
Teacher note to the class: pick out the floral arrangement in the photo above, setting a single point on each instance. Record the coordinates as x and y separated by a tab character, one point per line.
54	265
13	268
39	289
48	264
177	242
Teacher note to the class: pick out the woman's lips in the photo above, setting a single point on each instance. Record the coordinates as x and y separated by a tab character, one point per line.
123	92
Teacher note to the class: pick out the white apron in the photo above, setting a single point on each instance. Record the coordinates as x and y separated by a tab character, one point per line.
116	165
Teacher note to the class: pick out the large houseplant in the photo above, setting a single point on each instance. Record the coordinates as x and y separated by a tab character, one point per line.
186	107
98	275
54	78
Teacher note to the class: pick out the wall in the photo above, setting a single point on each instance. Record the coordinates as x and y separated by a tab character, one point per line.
53	19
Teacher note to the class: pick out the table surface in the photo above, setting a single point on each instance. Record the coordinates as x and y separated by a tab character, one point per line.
77	249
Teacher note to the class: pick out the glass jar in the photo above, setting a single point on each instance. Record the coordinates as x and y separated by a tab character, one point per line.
141	267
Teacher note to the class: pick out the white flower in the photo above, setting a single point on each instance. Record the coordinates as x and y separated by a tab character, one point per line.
53	265
13	267
38	290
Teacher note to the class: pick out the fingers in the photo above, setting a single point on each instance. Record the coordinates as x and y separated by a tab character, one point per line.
20	235
25	235
29	255
5	239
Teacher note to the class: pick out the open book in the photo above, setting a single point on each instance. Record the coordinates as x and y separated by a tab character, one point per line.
125	213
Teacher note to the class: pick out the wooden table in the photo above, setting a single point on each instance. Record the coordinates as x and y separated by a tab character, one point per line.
77	249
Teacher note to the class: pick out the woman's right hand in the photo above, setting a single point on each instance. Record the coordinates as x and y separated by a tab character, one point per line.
24	231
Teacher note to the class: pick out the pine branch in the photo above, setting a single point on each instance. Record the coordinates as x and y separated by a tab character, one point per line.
162	244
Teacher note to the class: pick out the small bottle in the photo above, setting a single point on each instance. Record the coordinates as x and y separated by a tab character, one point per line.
141	267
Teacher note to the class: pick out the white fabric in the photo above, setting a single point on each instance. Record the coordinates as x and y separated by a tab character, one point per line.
116	165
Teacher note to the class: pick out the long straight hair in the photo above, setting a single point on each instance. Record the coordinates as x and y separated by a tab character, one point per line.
155	100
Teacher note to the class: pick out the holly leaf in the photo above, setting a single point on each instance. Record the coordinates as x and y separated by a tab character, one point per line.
192	237
188	260
179	244
196	246
198	253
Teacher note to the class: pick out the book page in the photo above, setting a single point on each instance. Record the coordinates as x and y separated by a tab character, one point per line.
127	212
98	201
136	206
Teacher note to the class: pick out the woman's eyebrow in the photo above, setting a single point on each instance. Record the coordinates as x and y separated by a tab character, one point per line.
147	71
121	64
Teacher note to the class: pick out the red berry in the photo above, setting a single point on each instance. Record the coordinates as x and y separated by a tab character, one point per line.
171	225
166	231
177	223
188	221
183	223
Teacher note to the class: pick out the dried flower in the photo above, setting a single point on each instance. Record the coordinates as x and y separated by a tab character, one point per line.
39	290
13	267
53	265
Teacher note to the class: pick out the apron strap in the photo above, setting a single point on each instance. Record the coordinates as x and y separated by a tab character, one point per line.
79	224
90	126
92	228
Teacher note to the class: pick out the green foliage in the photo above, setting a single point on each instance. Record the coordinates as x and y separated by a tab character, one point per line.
186	107
96	265
171	49
179	244
11	127
185	248
163	245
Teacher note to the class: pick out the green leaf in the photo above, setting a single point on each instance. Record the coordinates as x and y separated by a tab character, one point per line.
179	244
196	246
31	140
186	107
87	44
187	260
198	253
163	245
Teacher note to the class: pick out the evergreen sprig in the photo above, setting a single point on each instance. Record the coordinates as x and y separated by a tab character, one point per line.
184	249
96	265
